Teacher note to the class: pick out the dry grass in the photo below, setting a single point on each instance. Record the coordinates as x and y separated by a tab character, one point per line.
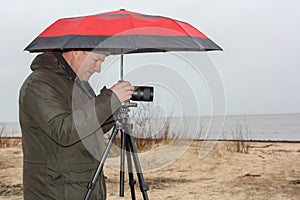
10	142
239	144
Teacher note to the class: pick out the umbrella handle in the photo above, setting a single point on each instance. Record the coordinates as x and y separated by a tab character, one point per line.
121	68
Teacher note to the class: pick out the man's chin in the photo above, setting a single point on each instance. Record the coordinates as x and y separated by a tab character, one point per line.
86	77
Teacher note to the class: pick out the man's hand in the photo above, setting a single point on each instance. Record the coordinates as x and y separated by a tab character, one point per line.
123	90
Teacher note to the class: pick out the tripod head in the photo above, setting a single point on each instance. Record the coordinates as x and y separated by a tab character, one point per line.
122	115
129	104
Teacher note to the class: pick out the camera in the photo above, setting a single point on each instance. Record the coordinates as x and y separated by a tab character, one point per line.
142	93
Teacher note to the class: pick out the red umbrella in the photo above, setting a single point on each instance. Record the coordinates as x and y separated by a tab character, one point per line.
122	32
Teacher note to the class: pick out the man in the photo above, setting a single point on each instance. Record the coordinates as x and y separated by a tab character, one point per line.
62	124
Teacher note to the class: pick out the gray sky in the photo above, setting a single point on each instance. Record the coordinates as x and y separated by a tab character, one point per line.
259	66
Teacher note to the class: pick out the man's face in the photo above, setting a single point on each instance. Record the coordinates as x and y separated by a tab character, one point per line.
87	63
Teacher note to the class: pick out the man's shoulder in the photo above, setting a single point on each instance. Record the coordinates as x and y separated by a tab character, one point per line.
44	75
43	78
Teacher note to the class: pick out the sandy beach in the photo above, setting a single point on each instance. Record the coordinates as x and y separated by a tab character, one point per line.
265	170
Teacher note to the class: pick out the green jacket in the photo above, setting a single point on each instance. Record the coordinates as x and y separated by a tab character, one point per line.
61	134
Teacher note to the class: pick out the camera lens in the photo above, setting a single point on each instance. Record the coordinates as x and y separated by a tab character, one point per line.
142	93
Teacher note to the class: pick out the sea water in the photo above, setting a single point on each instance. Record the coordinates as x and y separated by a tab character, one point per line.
274	127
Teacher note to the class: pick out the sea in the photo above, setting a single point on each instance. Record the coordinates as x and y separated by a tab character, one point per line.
271	127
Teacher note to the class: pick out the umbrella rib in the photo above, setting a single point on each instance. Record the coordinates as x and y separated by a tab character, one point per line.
188	35
73	35
131	19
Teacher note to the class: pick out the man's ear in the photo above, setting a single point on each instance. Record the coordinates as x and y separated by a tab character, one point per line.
74	53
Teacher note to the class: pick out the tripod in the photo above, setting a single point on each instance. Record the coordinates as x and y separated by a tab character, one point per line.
128	146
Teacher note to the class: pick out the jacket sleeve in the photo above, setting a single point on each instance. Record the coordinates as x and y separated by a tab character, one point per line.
49	109
108	124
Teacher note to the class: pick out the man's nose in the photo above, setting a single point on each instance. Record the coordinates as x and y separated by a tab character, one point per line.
98	68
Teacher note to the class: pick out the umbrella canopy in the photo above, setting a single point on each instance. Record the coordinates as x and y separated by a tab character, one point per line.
121	32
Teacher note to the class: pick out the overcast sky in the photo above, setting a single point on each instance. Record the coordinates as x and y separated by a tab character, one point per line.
259	67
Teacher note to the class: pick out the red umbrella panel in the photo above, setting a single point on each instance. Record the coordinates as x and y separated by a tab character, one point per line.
122	32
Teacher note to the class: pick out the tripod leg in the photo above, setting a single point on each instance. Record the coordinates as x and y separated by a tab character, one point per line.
132	182
93	183
143	186
122	168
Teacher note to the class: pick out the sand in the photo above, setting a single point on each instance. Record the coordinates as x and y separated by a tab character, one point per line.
265	170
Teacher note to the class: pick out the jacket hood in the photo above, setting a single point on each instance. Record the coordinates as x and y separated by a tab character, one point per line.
48	61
